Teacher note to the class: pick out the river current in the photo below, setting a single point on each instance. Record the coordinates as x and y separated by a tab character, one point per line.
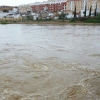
49	62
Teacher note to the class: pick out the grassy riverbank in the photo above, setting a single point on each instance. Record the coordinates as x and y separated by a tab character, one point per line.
80	21
86	20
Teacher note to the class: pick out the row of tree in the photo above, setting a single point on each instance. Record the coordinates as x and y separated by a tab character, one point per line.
90	10
62	16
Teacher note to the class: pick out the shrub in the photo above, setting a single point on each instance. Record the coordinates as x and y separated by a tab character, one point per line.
5	10
4	23
62	16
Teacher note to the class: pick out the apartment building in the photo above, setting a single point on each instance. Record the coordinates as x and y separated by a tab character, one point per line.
24	8
98	6
91	3
50	5
2	8
80	5
70	6
59	5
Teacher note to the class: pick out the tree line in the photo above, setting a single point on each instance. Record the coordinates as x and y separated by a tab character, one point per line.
90	10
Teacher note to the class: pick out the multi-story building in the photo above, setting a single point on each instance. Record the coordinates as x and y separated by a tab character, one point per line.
98	6
2	8
50	5
91	3
72	3
24	8
80	5
60	5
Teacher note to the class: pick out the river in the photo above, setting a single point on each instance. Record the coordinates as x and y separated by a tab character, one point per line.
49	62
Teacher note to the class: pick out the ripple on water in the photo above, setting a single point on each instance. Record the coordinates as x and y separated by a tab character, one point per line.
76	92
36	66
8	94
93	85
42	65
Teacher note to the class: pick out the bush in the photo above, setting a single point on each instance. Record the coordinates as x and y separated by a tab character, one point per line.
5	10
98	16
4	23
62	16
93	20
14	21
73	20
83	19
87	19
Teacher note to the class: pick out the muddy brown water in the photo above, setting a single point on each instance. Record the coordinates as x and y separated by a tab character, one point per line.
49	62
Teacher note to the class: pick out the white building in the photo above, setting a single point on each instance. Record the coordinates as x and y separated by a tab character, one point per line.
11	14
2	15
24	8
14	10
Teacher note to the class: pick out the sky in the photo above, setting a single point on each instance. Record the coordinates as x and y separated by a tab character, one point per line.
18	2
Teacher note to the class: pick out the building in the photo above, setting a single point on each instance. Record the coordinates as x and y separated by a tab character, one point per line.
55	6
50	5
24	8
70	6
2	8
14	10
80	5
11	12
98	6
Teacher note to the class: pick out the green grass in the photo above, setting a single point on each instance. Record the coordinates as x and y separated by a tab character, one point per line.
4	22
87	19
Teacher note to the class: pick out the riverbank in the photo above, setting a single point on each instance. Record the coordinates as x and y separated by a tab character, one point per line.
95	20
55	22
58	23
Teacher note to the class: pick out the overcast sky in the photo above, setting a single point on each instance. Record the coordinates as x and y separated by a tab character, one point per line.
18	2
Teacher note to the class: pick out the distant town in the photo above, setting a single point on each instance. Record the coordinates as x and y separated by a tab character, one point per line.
50	9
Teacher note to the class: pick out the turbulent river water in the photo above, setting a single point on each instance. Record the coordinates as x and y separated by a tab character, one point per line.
49	62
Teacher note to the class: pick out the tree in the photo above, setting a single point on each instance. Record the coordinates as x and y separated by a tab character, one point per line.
85	10
75	12
62	16
90	11
95	13
40	16
5	10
